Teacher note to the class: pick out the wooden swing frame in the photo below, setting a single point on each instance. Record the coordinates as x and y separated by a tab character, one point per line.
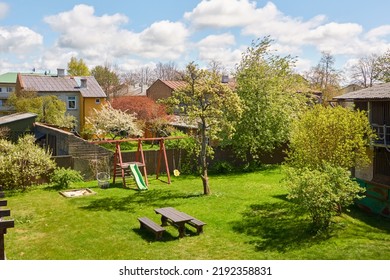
139	157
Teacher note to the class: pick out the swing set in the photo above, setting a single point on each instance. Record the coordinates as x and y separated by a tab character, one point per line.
121	168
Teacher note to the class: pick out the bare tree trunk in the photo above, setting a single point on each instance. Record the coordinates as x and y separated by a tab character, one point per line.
203	159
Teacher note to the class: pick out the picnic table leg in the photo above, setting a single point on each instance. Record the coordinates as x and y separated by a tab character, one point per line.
2	253
182	229
164	221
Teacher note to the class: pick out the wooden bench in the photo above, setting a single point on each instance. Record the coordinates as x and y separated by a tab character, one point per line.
197	224
151	226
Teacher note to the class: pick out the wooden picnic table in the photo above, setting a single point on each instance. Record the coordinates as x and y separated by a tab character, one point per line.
177	218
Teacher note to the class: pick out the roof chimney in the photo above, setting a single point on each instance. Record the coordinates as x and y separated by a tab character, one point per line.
60	72
83	83
225	79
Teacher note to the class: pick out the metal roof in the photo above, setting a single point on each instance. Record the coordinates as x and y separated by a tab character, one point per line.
46	83
381	91
174	84
16	117
8	78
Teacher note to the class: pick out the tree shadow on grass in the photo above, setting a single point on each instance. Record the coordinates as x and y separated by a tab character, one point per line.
279	226
370	219
150	198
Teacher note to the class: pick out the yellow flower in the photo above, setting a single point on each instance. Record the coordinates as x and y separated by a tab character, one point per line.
176	172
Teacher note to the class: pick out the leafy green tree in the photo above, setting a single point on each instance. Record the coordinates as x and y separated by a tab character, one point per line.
325	144
322	192
78	67
210	104
338	136
49	108
268	89
21	164
107	78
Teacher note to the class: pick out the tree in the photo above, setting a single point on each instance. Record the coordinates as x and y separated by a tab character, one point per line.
107	78
382	67
325	77
325	144
269	91
49	108
323	192
78	67
210	104
166	71
152	114
365	71
110	121
338	136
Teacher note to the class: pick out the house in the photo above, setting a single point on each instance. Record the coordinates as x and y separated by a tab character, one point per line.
7	86
81	94
161	89
376	177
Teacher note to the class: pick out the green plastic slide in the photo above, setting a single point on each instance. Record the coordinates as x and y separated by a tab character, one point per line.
138	177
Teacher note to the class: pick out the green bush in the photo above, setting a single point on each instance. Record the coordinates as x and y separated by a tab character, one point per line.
62	177
221	167
23	163
322	192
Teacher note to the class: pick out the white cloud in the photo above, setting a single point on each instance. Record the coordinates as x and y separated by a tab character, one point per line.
164	39
291	34
19	40
222	13
219	48
3	10
104	38
378	33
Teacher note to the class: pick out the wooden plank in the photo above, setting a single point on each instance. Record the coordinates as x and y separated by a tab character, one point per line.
3	202
5	213
2	253
7	224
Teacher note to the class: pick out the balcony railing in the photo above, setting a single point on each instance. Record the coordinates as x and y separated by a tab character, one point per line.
383	133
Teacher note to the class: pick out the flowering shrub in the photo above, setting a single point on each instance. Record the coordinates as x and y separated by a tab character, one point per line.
21	164
118	123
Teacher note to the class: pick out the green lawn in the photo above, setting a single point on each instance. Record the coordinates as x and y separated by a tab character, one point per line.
247	216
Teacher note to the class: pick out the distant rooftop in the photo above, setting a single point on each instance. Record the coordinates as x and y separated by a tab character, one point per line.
377	92
8	78
46	83
174	84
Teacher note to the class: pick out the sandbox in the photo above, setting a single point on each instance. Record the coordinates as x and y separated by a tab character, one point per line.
77	192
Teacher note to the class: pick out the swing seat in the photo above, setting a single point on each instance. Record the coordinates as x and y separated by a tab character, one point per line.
126	165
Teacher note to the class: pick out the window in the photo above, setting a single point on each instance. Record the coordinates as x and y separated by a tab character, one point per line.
10	89
71	104
1	103
97	100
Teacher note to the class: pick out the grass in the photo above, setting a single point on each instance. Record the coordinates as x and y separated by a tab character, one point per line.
247	216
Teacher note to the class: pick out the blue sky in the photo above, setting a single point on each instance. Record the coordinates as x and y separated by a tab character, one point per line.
45	34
